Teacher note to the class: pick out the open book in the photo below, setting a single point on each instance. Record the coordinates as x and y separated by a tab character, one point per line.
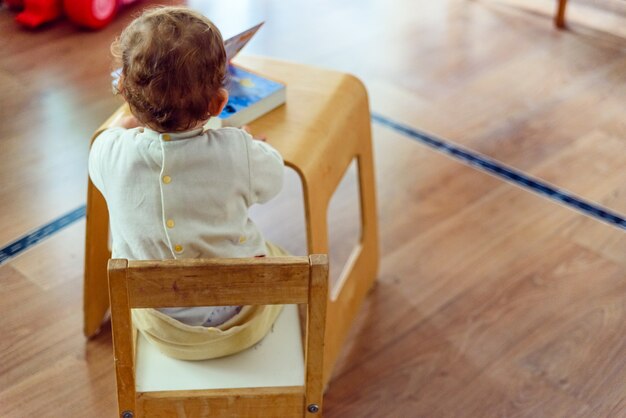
250	95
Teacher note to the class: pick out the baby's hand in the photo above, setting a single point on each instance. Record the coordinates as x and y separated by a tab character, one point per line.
262	138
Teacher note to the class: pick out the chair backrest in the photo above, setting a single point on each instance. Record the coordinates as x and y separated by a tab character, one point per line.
219	282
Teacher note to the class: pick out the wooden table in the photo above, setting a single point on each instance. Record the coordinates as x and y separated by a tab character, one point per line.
324	126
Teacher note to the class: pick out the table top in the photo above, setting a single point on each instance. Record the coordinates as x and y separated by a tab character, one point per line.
318	101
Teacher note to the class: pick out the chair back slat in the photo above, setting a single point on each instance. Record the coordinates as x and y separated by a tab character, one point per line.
218	282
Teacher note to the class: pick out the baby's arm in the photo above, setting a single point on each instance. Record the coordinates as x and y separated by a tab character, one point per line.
100	154
266	169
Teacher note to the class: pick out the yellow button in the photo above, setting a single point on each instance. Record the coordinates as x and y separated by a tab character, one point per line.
166	137
178	248
170	223
242	239
167	179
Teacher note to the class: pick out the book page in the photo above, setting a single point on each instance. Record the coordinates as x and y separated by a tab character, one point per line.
234	44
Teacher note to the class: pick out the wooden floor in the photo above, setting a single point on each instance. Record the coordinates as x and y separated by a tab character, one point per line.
491	301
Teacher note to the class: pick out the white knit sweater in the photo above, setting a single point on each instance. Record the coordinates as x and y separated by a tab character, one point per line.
184	195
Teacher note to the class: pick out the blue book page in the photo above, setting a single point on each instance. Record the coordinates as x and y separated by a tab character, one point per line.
245	89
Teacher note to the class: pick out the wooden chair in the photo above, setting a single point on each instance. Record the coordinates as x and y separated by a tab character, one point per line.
322	129
214	282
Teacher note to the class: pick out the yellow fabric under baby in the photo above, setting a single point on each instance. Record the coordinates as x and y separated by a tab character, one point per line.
187	342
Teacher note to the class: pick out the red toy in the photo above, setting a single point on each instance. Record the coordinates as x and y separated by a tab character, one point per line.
94	14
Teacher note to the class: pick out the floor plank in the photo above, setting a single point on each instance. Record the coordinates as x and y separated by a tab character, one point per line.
56	261
440	363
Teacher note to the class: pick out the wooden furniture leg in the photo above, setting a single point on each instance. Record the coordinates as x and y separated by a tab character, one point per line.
559	18
319	184
97	253
359	272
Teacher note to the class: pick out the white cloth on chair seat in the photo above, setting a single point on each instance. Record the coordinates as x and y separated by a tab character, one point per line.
277	360
187	342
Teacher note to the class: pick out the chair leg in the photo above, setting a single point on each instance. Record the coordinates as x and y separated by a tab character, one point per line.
559	19
97	254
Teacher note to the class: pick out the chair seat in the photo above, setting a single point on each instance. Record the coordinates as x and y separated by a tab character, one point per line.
277	360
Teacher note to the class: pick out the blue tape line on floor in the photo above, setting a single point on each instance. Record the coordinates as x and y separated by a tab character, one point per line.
22	244
508	174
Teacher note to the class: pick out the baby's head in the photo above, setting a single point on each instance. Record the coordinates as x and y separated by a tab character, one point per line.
173	68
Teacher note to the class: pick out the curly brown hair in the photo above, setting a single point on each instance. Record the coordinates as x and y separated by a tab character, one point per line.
173	64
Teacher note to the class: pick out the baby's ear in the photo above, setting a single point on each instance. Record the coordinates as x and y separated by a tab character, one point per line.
218	102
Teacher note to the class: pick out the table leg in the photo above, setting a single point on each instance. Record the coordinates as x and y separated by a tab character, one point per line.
360	271
97	254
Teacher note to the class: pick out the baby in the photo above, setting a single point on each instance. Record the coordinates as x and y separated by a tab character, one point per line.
176	190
